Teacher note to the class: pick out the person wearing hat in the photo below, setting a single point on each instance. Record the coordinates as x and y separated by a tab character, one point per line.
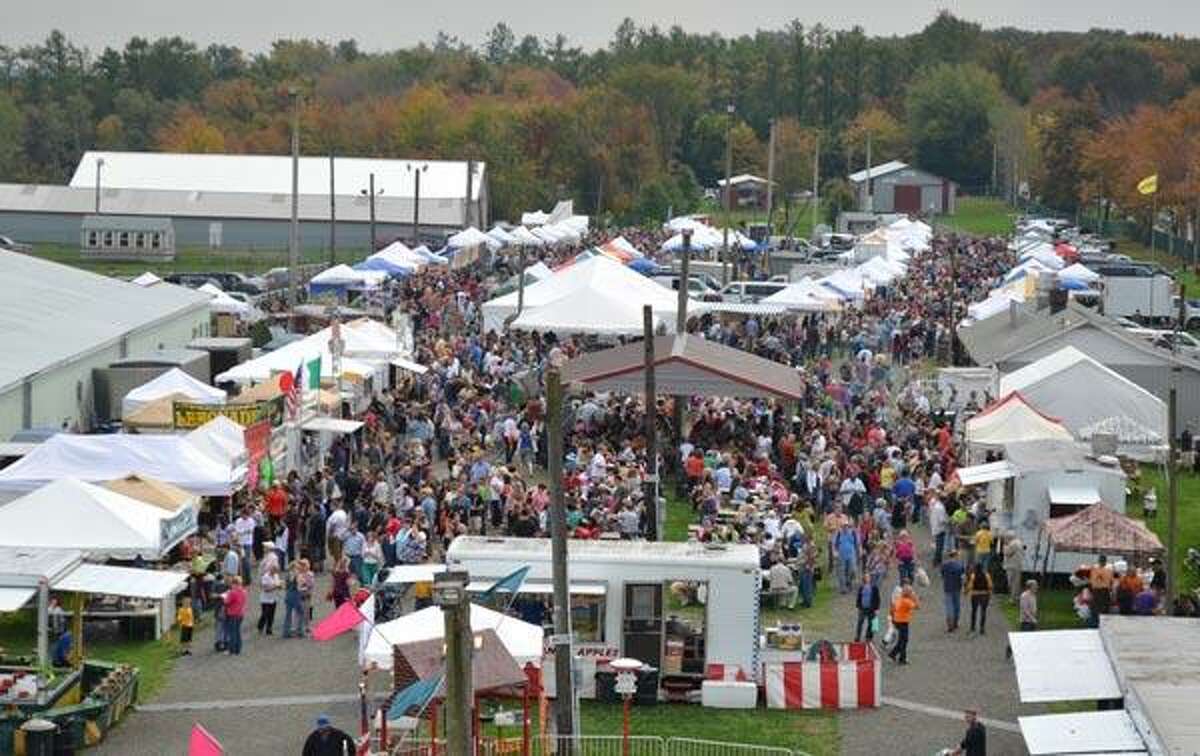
974	742
327	740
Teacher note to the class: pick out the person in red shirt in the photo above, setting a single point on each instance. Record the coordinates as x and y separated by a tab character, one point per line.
276	504
235	610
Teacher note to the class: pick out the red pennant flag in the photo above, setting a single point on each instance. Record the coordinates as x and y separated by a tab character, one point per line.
345	617
202	743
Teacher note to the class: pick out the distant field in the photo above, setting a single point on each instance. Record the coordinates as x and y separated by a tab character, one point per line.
192	260
984	216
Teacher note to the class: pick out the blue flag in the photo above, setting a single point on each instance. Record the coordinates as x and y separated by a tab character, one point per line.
509	583
415	695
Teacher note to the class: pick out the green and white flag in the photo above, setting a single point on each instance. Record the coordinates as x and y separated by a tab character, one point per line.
312	374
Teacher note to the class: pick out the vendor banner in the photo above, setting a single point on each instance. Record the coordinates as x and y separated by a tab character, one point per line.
190	415
258	448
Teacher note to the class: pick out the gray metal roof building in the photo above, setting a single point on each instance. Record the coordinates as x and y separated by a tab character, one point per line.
57	323
244	201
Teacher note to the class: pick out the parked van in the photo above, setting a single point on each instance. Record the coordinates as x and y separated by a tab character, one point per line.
698	287
749	292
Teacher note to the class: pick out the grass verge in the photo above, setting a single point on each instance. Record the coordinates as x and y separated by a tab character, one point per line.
982	216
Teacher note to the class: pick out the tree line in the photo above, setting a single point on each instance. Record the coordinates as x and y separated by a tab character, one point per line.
641	125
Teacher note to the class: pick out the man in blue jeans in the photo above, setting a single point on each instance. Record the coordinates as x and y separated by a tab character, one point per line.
845	543
952	585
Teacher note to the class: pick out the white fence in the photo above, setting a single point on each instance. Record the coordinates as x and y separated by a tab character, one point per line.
597	745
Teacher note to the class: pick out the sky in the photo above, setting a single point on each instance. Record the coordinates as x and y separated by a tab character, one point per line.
388	24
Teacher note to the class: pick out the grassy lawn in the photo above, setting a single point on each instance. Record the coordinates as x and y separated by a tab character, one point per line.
195	259
1189	516
154	659
984	216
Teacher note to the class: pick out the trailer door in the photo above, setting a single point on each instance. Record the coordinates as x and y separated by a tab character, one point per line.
642	626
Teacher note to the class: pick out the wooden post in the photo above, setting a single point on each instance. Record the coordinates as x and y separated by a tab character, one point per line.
564	710
681	325
521	283
1173	561
459	647
650	485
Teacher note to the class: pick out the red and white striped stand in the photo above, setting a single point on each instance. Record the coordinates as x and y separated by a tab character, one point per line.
852	682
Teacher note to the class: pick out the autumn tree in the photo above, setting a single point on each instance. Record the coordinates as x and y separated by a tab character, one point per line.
889	141
949	110
189	131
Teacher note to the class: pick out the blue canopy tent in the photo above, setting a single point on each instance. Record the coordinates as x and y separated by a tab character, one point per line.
395	270
643	265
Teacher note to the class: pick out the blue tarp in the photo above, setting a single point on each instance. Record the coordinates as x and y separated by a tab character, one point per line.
643	265
415	696
378	263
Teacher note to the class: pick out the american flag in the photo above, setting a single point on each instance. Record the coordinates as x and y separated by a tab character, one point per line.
292	397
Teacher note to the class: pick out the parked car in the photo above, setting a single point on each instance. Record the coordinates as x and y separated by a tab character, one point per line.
749	292
698	286
840	242
14	246
227	281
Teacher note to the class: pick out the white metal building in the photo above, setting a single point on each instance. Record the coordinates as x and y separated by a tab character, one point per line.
58	323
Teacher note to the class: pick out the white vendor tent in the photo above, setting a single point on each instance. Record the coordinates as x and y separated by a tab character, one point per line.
169	458
223	303
1082	393
222	439
1011	419
472	237
1078	272
101	523
849	283
174	381
522	640
593	280
995	303
805	295
524	236
364	340
600	312
344	277
539	271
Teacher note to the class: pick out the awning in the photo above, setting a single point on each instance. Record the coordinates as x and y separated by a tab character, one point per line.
122	581
331	425
1085	732
977	474
12	599
542	588
1078	495
413	573
409	365
1062	665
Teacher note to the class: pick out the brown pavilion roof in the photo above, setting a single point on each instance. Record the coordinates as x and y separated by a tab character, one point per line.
1098	529
685	365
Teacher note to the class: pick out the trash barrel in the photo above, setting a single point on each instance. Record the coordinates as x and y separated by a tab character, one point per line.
39	737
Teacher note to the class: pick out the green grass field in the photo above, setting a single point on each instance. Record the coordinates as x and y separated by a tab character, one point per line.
154	659
193	260
983	216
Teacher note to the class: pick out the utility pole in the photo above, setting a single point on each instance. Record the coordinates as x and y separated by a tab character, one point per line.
1173	561
294	230
332	213
450	593
816	191
994	154
370	194
99	167
650	484
728	195
417	170
681	325
770	175
870	190
564	700
521	282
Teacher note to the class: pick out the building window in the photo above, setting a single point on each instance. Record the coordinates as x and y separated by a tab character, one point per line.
124	240
93	238
139	240
108	238
154	240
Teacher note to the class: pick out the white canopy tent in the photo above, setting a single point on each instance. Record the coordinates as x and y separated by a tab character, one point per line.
1011	419
522	640
501	235
169	458
343	276
174	381
805	295
597	274
535	218
146	279
222	303
222	439
1078	272
524	236
995	303
1082	393
849	283
601	312
472	237
101	523
364	340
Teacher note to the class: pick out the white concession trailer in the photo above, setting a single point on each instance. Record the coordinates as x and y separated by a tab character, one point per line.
640	599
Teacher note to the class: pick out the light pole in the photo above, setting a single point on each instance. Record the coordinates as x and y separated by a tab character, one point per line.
450	593
626	687
99	167
371	193
728	193
294	230
417	170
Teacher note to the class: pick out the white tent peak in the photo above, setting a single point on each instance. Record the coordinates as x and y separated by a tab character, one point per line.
174	381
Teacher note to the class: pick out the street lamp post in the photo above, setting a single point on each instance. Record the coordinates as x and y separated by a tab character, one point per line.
370	193
99	166
417	170
728	195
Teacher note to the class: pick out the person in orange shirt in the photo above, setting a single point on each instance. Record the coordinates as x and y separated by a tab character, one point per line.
902	614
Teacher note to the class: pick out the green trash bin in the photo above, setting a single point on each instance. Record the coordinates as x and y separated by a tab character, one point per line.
8	731
39	737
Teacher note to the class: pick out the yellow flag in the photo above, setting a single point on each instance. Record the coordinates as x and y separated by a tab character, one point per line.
1148	185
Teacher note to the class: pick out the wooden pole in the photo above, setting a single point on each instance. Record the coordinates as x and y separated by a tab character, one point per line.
681	325
521	283
770	176
650	484
332	214
1173	561
816	190
459	646
564	710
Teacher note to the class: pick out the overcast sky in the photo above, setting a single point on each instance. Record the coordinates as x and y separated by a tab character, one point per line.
387	24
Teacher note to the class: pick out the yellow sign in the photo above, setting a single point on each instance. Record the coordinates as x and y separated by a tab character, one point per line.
1148	185
189	415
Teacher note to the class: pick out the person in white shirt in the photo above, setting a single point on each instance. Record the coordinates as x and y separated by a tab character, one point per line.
937	527
599	466
850	486
335	531
783	586
244	527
